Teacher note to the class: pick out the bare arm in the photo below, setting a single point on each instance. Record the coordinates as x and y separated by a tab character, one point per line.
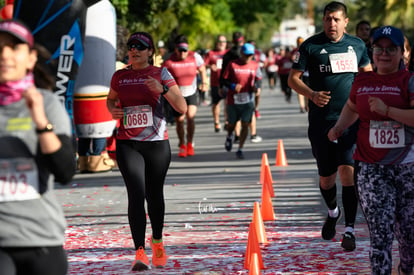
176	99
204	80
112	103
348	116
173	96
405	116
320	98
367	68
295	82
49	141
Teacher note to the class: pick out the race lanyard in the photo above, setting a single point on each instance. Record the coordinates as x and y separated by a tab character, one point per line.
343	62
241	98
137	116
18	180
386	134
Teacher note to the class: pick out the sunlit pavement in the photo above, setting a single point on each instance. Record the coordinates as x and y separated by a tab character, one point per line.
209	206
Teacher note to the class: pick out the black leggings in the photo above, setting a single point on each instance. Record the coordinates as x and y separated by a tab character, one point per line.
33	261
144	165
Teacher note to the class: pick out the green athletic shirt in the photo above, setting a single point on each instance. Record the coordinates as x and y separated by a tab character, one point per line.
332	67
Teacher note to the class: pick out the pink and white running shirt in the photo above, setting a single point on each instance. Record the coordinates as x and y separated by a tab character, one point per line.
143	109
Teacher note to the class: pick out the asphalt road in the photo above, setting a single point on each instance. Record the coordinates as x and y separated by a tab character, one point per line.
209	206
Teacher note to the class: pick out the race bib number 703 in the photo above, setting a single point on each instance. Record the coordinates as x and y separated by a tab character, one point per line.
18	180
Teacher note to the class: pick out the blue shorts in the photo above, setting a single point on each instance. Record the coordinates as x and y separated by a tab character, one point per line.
329	155
243	112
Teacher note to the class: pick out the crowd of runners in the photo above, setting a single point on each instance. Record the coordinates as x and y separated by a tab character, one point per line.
357	90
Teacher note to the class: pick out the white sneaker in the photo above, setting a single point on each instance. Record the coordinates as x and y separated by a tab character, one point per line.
256	139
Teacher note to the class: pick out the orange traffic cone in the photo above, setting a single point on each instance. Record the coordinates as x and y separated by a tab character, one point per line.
268	181
252	248
254	268
259	225
265	162
280	155
267	208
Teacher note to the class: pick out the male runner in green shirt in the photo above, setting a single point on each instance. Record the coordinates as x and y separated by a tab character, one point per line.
332	58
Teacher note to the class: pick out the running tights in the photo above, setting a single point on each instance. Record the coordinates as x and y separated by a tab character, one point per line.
143	166
386	195
33	261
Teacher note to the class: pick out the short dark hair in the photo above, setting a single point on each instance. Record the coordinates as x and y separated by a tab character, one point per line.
181	39
335	6
362	22
237	36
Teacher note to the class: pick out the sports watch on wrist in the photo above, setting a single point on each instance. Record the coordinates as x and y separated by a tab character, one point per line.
166	89
47	128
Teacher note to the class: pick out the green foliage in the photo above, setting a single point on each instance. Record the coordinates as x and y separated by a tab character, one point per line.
121	6
201	20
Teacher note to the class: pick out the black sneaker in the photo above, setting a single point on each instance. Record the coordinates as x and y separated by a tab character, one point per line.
348	241
239	154
228	144
328	229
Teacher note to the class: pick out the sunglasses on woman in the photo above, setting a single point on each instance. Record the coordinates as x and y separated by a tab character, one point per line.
137	46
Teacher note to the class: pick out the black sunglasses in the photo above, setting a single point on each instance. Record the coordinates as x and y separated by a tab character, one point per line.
138	46
182	50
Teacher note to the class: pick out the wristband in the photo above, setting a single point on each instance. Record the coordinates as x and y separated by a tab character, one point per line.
233	86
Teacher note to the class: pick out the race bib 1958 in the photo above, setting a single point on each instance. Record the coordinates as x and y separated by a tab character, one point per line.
18	180
386	134
137	116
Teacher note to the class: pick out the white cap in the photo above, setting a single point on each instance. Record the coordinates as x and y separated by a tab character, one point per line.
160	44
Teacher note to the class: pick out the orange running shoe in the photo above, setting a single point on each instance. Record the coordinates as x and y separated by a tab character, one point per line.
159	258
190	149
141	260
183	151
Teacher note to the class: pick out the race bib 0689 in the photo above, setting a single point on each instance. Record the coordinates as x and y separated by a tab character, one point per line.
137	116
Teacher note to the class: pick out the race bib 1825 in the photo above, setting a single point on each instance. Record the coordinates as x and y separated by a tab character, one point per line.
386	134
